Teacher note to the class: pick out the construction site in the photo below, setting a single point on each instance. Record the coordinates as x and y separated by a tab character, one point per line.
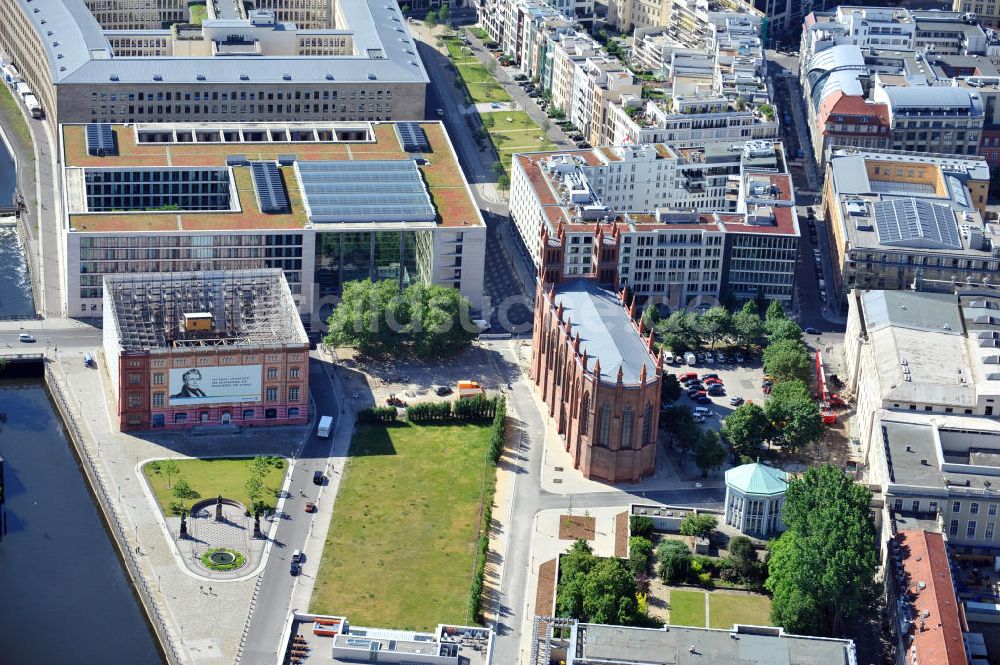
205	349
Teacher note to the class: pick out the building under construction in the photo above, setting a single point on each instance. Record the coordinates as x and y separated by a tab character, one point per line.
192	349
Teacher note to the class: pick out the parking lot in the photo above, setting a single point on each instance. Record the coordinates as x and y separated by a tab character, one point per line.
738	380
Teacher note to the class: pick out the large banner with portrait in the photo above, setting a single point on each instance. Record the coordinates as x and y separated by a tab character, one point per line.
214	385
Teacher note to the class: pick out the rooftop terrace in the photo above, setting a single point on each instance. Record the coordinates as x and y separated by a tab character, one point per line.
235	146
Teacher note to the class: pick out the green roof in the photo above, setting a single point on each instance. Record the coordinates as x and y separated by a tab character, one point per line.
757	479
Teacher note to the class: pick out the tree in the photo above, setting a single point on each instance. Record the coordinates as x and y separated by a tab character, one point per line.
431	19
259	466
503	181
699	526
743	557
376	318
182	490
639	551
650	317
747	326
675	561
679	422
498	169
822	569
794	415
642	526
254	489
670	388
760	300
443	15
741	103
609	594
546	125
775	311
709	453
714	325
746	429
678	332
404	8
782	329
169	468
787	360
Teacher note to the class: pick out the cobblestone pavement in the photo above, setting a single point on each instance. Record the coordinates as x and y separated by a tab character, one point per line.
209	623
234	532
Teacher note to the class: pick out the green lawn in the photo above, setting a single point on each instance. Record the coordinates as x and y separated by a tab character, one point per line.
199	12
210	478
502	121
401	549
687	608
483	87
726	609
12	110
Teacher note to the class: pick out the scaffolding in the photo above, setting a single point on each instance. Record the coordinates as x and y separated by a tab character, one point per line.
249	308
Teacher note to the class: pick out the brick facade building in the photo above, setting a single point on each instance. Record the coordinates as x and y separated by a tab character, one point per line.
599	378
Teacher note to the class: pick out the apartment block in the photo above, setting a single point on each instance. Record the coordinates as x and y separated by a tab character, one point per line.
300	197
674	226
338	60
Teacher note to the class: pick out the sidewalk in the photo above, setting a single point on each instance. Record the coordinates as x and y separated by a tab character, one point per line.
208	624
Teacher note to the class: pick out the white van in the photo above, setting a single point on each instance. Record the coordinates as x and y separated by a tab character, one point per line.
690	358
668	357
325	425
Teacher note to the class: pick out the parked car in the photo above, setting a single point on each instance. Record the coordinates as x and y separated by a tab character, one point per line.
25	337
310	507
318	478
720	357
522	77
440	112
687	376
705	411
812	331
716	390
695	393
709	359
698	418
735	400
442	391
714	382
703	399
296	568
740	358
710	375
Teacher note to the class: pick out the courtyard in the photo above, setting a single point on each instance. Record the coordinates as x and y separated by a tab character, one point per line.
410	494
716	609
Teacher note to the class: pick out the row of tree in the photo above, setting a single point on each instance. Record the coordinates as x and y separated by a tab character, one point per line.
469	409
378	318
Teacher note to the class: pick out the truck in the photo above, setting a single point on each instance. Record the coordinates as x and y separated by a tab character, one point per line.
690	358
31	103
325	426
22	89
469	389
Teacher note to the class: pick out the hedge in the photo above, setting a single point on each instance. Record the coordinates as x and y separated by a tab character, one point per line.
379	414
463	410
497	438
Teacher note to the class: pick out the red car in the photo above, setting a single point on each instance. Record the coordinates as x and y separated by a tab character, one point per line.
310	507
687	376
713	381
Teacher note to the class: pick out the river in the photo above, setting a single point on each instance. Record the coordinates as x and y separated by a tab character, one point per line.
15	282
64	597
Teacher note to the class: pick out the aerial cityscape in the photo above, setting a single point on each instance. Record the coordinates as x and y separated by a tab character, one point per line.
499	332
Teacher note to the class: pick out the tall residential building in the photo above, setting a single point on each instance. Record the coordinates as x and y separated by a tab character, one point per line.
340	60
325	202
628	15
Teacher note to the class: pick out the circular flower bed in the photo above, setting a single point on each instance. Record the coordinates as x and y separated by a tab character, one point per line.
222	558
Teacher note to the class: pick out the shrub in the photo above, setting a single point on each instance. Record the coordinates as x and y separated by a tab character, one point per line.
182	490
154	466
176	507
642	526
237	562
705	579
675	561
639	551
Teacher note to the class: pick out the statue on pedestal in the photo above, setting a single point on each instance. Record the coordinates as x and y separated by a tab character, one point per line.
256	525
218	509
184	525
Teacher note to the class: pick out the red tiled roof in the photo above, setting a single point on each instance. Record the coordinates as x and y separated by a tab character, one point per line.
844	104
925	562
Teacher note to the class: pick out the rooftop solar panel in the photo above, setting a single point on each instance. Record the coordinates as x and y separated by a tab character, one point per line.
412	137
100	140
910	222
269	188
364	191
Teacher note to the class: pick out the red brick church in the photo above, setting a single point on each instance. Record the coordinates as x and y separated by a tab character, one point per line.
599	376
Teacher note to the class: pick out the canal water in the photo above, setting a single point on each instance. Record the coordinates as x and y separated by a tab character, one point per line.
15	282
64	597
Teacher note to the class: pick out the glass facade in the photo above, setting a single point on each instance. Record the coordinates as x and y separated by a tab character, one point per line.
157	189
353	255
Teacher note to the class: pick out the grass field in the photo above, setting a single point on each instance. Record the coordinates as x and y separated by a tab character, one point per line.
210	478
687	608
12	109
726	609
520	134
483	87
505	121
401	549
